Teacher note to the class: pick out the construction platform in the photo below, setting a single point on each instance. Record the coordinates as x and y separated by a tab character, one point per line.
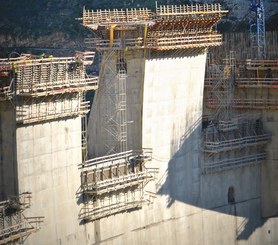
47	88
14	226
168	28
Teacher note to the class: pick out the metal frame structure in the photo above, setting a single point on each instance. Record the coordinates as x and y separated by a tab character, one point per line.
240	140
46	89
115	182
232	144
256	74
14	226
257	29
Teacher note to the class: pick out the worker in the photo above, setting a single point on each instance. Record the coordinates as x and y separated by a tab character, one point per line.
14	66
42	55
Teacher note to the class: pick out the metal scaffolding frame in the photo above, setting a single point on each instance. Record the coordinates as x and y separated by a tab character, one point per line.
115	119
48	88
230	142
115	183
257	74
237	143
219	82
170	27
15	227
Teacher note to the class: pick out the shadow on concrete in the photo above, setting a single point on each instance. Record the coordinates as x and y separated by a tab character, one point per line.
183	181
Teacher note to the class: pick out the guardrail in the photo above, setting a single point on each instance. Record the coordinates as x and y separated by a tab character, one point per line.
218	146
234	162
109	160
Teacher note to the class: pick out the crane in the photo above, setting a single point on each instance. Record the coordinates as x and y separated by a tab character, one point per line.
257	29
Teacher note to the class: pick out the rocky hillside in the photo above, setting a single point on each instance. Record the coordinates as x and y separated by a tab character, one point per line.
52	23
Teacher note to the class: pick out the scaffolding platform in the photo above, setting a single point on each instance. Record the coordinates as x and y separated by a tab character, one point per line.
47	88
14	226
238	103
115	183
29	76
237	143
232	163
38	111
169	27
117	171
121	202
94	19
257	83
261	64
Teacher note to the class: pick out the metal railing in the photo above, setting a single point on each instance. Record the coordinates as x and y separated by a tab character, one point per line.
104	17
233	163
261	64
174	10
224	145
114	159
42	112
257	82
117	183
259	104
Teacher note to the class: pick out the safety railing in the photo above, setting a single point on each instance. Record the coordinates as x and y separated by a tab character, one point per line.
99	187
36	88
170	10
257	82
256	104
105	17
49	111
102	44
187	41
224	145
261	64
231	163
106	161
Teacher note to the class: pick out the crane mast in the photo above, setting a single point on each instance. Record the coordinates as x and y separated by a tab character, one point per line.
257	29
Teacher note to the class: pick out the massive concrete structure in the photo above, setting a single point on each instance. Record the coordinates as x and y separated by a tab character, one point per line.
41	143
166	162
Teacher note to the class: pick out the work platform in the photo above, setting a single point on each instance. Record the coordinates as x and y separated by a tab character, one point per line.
14	226
168	28
251	76
114	183
233	144
47	88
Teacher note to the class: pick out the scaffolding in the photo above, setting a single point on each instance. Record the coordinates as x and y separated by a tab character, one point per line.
15	227
229	141
115	183
168	28
219	82
118	202
47	88
233	144
251	74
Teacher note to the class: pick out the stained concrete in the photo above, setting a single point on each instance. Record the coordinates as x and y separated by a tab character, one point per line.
8	164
